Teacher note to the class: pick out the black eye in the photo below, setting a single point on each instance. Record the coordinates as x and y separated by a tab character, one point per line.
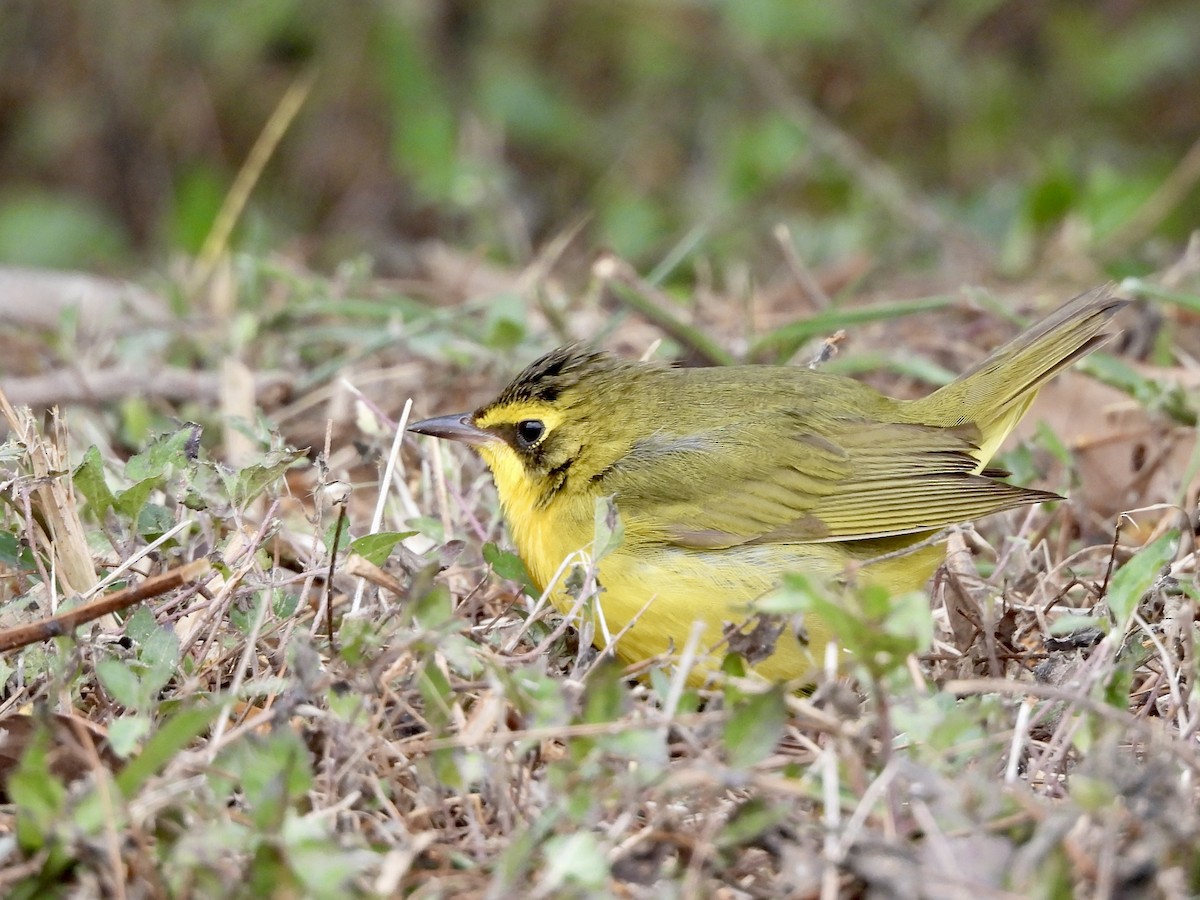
529	432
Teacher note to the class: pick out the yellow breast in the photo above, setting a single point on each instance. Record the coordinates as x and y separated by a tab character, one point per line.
652	598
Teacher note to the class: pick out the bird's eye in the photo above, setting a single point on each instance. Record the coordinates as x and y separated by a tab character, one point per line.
529	432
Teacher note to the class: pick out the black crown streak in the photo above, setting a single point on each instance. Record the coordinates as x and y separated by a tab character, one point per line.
545	379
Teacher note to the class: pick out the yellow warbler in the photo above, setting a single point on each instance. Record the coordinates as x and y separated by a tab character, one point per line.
725	478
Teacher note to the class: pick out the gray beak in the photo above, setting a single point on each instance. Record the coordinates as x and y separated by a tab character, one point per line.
453	428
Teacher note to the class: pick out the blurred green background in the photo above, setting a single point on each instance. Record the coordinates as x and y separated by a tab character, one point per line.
864	126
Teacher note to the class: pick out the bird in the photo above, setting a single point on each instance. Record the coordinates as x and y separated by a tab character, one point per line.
725	478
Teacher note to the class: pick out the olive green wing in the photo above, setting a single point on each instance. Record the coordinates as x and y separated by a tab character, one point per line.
793	480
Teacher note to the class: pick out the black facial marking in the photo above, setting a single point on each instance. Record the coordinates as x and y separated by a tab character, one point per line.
558	474
532	452
555	480
603	473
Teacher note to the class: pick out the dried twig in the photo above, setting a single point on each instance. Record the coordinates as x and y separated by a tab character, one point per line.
69	386
1182	751
52	498
1173	190
235	201
65	623
655	306
800	272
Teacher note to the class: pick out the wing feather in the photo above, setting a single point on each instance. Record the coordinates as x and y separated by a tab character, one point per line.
798	479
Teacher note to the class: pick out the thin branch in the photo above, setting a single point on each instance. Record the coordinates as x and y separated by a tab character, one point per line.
654	305
69	386
1181	750
65	623
235	201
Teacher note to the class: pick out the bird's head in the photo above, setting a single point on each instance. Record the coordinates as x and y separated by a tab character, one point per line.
562	421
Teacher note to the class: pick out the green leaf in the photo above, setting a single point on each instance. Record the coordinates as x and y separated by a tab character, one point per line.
1182	299
125	732
272	770
898	362
1051	441
243	615
253	480
432	528
1133	579
605	694
755	726
269	875
631	222
795	595
749	821
118	678
1153	394
140	625
1119	683
129	502
14	554
337	536
1094	795
424	135
609	530
509	566
284	603
154	520
165	452
376	548
506	316
323	866
137	420
179	731
937	723
434	608
199	190
908	620
438	698
734	665
89	480
1069	624
575	859
159	654
786	340
879	630
39	797
61	230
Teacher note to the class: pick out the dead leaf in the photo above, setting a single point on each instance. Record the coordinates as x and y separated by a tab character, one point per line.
75	744
1126	457
758	642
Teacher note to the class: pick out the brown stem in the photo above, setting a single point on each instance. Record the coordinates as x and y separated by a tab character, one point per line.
66	622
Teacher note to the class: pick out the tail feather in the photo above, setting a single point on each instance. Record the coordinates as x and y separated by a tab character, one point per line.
995	394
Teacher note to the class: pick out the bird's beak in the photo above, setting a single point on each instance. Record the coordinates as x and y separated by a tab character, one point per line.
454	428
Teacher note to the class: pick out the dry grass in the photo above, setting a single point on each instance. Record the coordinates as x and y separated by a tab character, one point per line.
453	737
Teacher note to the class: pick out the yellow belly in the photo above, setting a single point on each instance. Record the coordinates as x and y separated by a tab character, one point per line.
651	602
653	596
